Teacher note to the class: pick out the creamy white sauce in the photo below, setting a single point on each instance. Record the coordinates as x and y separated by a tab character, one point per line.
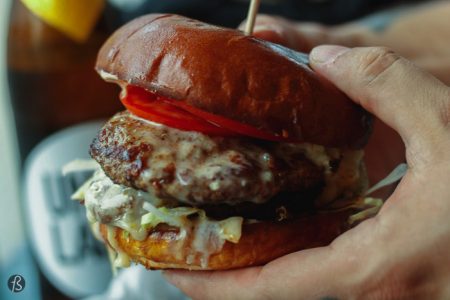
208	236
115	204
206	241
108	76
138	212
121	259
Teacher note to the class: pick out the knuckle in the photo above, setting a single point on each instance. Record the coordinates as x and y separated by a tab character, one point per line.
376	63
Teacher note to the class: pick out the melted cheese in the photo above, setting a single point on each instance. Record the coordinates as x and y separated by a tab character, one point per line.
108	76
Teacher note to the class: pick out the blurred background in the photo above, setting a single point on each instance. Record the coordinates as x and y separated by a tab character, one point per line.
51	101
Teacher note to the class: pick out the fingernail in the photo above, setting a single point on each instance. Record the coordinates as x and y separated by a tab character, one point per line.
326	54
261	28
267	29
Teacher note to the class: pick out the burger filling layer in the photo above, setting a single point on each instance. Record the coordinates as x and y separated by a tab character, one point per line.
138	213
150	174
196	169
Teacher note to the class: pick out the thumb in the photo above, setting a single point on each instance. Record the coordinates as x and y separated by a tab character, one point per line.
411	101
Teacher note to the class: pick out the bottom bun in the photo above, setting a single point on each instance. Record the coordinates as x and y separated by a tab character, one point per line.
260	243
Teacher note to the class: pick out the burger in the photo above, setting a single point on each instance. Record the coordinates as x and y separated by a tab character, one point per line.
231	151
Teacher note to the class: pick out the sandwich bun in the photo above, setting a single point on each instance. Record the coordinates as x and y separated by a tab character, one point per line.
224	72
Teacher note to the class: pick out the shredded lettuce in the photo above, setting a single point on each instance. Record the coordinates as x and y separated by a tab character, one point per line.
80	165
369	208
172	216
81	191
394	176
366	206
228	229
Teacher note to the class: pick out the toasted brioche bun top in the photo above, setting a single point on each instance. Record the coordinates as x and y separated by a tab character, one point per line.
225	72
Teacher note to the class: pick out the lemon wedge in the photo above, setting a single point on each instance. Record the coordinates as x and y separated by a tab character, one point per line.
75	18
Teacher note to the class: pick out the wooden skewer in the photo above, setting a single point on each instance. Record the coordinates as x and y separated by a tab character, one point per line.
251	16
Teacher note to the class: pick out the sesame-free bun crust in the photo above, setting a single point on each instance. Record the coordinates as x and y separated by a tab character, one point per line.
260	243
225	72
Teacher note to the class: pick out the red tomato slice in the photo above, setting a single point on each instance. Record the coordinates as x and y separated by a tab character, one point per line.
148	107
235	126
180	115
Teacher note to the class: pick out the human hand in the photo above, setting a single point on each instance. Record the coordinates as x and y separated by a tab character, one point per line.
403	252
303	36
385	149
420	35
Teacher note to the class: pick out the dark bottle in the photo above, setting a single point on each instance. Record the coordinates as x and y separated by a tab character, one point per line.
51	78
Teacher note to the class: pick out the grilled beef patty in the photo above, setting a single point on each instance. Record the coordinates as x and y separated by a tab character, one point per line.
196	169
